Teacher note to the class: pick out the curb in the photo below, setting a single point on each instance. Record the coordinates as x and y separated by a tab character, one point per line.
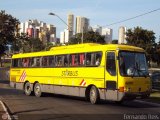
6	115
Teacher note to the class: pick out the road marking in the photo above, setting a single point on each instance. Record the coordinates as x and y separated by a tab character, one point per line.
5	110
150	103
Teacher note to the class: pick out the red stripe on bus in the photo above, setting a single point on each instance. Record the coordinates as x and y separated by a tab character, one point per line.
81	82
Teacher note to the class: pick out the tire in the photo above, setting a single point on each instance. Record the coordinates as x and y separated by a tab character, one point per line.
27	89
37	90
94	95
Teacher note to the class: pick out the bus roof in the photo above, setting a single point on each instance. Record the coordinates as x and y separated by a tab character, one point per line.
87	47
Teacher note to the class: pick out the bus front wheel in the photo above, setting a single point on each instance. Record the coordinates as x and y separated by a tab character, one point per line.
94	95
27	89
37	90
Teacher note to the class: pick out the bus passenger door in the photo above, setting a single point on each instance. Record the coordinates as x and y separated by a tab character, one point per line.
111	76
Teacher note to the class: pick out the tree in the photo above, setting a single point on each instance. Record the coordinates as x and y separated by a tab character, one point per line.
49	46
88	37
20	42
8	27
158	52
33	45
114	41
142	38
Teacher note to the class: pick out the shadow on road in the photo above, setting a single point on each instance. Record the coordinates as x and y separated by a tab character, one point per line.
68	99
9	91
4	82
133	104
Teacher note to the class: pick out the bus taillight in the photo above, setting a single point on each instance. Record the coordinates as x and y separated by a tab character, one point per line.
121	89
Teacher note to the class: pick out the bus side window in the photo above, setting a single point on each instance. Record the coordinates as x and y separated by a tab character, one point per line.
98	57
38	62
59	61
51	61
25	62
16	63
66	62
74	60
88	59
33	62
44	61
93	59
110	63
82	59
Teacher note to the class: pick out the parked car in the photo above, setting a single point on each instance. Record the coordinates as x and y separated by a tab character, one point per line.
155	77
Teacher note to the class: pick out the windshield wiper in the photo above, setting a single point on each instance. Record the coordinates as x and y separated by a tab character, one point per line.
141	71
134	69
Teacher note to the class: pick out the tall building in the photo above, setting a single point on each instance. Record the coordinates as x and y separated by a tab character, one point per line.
62	37
51	29
82	24
67	36
70	22
122	35
52	33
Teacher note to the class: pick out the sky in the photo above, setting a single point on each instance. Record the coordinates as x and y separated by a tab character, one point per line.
100	12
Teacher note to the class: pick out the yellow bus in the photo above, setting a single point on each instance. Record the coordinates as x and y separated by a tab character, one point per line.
108	72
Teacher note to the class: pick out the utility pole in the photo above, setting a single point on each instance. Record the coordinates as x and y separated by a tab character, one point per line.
82	34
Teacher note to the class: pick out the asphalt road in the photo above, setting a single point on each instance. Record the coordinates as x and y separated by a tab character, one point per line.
60	107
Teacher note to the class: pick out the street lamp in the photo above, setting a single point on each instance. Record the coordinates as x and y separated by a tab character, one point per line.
59	18
69	29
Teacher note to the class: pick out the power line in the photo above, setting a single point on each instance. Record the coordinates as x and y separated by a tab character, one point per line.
132	17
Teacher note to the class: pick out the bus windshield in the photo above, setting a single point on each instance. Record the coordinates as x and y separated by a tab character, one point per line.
132	64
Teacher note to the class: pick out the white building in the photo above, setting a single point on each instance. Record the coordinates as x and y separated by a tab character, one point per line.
62	37
22	28
39	29
122	35
82	24
98	29
106	32
27	23
53	39
67	35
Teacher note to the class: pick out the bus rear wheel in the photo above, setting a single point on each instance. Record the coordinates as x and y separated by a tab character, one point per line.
94	95
37	90
27	89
